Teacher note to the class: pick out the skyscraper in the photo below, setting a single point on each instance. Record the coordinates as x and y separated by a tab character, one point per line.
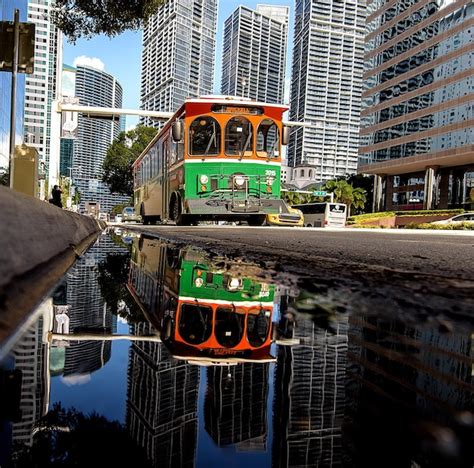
417	118
7	9
44	85
95	88
178	54
326	85
254	53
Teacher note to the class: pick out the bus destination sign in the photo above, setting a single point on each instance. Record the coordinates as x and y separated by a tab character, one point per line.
230	109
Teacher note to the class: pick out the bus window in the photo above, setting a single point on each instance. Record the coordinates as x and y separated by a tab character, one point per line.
204	137
268	141
229	327
257	328
239	137
195	323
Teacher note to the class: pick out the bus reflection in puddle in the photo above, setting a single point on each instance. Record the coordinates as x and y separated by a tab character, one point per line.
205	311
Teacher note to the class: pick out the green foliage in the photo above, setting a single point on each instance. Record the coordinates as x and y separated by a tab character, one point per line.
70	438
117	209
117	165
297	198
112	279
86	18
388	214
346	193
429	212
442	227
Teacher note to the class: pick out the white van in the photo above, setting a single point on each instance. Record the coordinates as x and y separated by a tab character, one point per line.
323	214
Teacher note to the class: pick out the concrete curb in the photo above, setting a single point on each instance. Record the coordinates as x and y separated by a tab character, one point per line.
33	232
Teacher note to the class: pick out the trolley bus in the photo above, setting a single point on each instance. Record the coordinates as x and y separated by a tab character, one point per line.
205	314
217	158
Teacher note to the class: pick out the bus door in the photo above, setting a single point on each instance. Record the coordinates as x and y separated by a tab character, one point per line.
165	183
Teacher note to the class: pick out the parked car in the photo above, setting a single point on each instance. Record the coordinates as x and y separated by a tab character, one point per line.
128	214
457	219
294	217
118	218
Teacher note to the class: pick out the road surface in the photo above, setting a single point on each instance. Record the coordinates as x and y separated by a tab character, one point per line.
400	271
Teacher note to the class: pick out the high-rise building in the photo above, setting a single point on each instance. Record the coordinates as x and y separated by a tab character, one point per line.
235	407
309	402
44	85
254	53
94	136
162	402
326	85
417	133
178	54
7	9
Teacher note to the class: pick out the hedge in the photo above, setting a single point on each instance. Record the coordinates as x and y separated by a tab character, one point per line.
444	227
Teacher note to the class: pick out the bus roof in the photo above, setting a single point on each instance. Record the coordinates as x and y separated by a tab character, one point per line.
234	100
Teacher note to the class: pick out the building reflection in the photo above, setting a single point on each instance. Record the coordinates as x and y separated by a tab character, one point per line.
309	404
25	386
235	408
79	307
410	389
162	400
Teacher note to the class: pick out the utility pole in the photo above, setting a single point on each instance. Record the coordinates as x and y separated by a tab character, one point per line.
16	46
16	56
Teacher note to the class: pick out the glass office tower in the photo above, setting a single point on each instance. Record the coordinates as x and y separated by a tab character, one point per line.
417	120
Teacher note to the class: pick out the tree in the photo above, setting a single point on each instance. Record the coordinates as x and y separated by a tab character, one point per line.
346	193
86	18
117	165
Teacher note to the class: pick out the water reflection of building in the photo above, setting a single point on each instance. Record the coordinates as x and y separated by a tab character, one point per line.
87	310
162	402
309	400
24	386
404	380
235	408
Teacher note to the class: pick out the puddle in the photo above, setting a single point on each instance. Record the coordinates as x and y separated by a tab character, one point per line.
185	359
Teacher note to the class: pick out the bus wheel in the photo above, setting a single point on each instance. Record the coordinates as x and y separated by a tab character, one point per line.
175	211
256	221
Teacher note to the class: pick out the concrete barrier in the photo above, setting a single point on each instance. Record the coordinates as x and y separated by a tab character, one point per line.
39	242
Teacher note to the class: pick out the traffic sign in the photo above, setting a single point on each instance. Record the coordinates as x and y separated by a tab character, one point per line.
320	193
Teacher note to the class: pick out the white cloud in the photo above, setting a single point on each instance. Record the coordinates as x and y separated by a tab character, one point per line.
93	62
78	379
130	127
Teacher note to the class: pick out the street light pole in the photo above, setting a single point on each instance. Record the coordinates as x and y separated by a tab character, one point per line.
16	43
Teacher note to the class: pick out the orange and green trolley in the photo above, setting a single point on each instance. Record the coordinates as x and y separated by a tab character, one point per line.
205	314
217	158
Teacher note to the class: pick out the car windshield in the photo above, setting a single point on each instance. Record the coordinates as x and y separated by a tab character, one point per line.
128	210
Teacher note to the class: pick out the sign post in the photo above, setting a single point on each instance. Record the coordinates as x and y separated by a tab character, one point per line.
16	56
322	193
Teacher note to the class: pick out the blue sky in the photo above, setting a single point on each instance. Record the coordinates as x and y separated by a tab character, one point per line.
121	55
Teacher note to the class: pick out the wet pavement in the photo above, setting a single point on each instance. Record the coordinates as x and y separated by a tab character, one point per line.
153	354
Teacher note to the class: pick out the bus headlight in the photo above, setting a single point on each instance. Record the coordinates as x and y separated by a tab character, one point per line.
204	179
234	283
239	180
198	282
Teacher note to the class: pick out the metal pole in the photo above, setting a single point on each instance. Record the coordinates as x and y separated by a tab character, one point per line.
16	43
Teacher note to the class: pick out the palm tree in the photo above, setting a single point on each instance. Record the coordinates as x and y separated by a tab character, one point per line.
347	194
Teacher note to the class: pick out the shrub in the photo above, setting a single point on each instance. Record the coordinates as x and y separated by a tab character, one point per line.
442	227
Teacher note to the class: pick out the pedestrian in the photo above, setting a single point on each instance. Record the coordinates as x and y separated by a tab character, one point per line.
56	196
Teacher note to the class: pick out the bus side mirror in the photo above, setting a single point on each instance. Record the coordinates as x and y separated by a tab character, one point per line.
285	138
177	130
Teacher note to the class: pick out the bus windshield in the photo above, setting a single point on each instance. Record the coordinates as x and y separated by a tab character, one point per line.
195	323
229	326
257	328
239	137
205	137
